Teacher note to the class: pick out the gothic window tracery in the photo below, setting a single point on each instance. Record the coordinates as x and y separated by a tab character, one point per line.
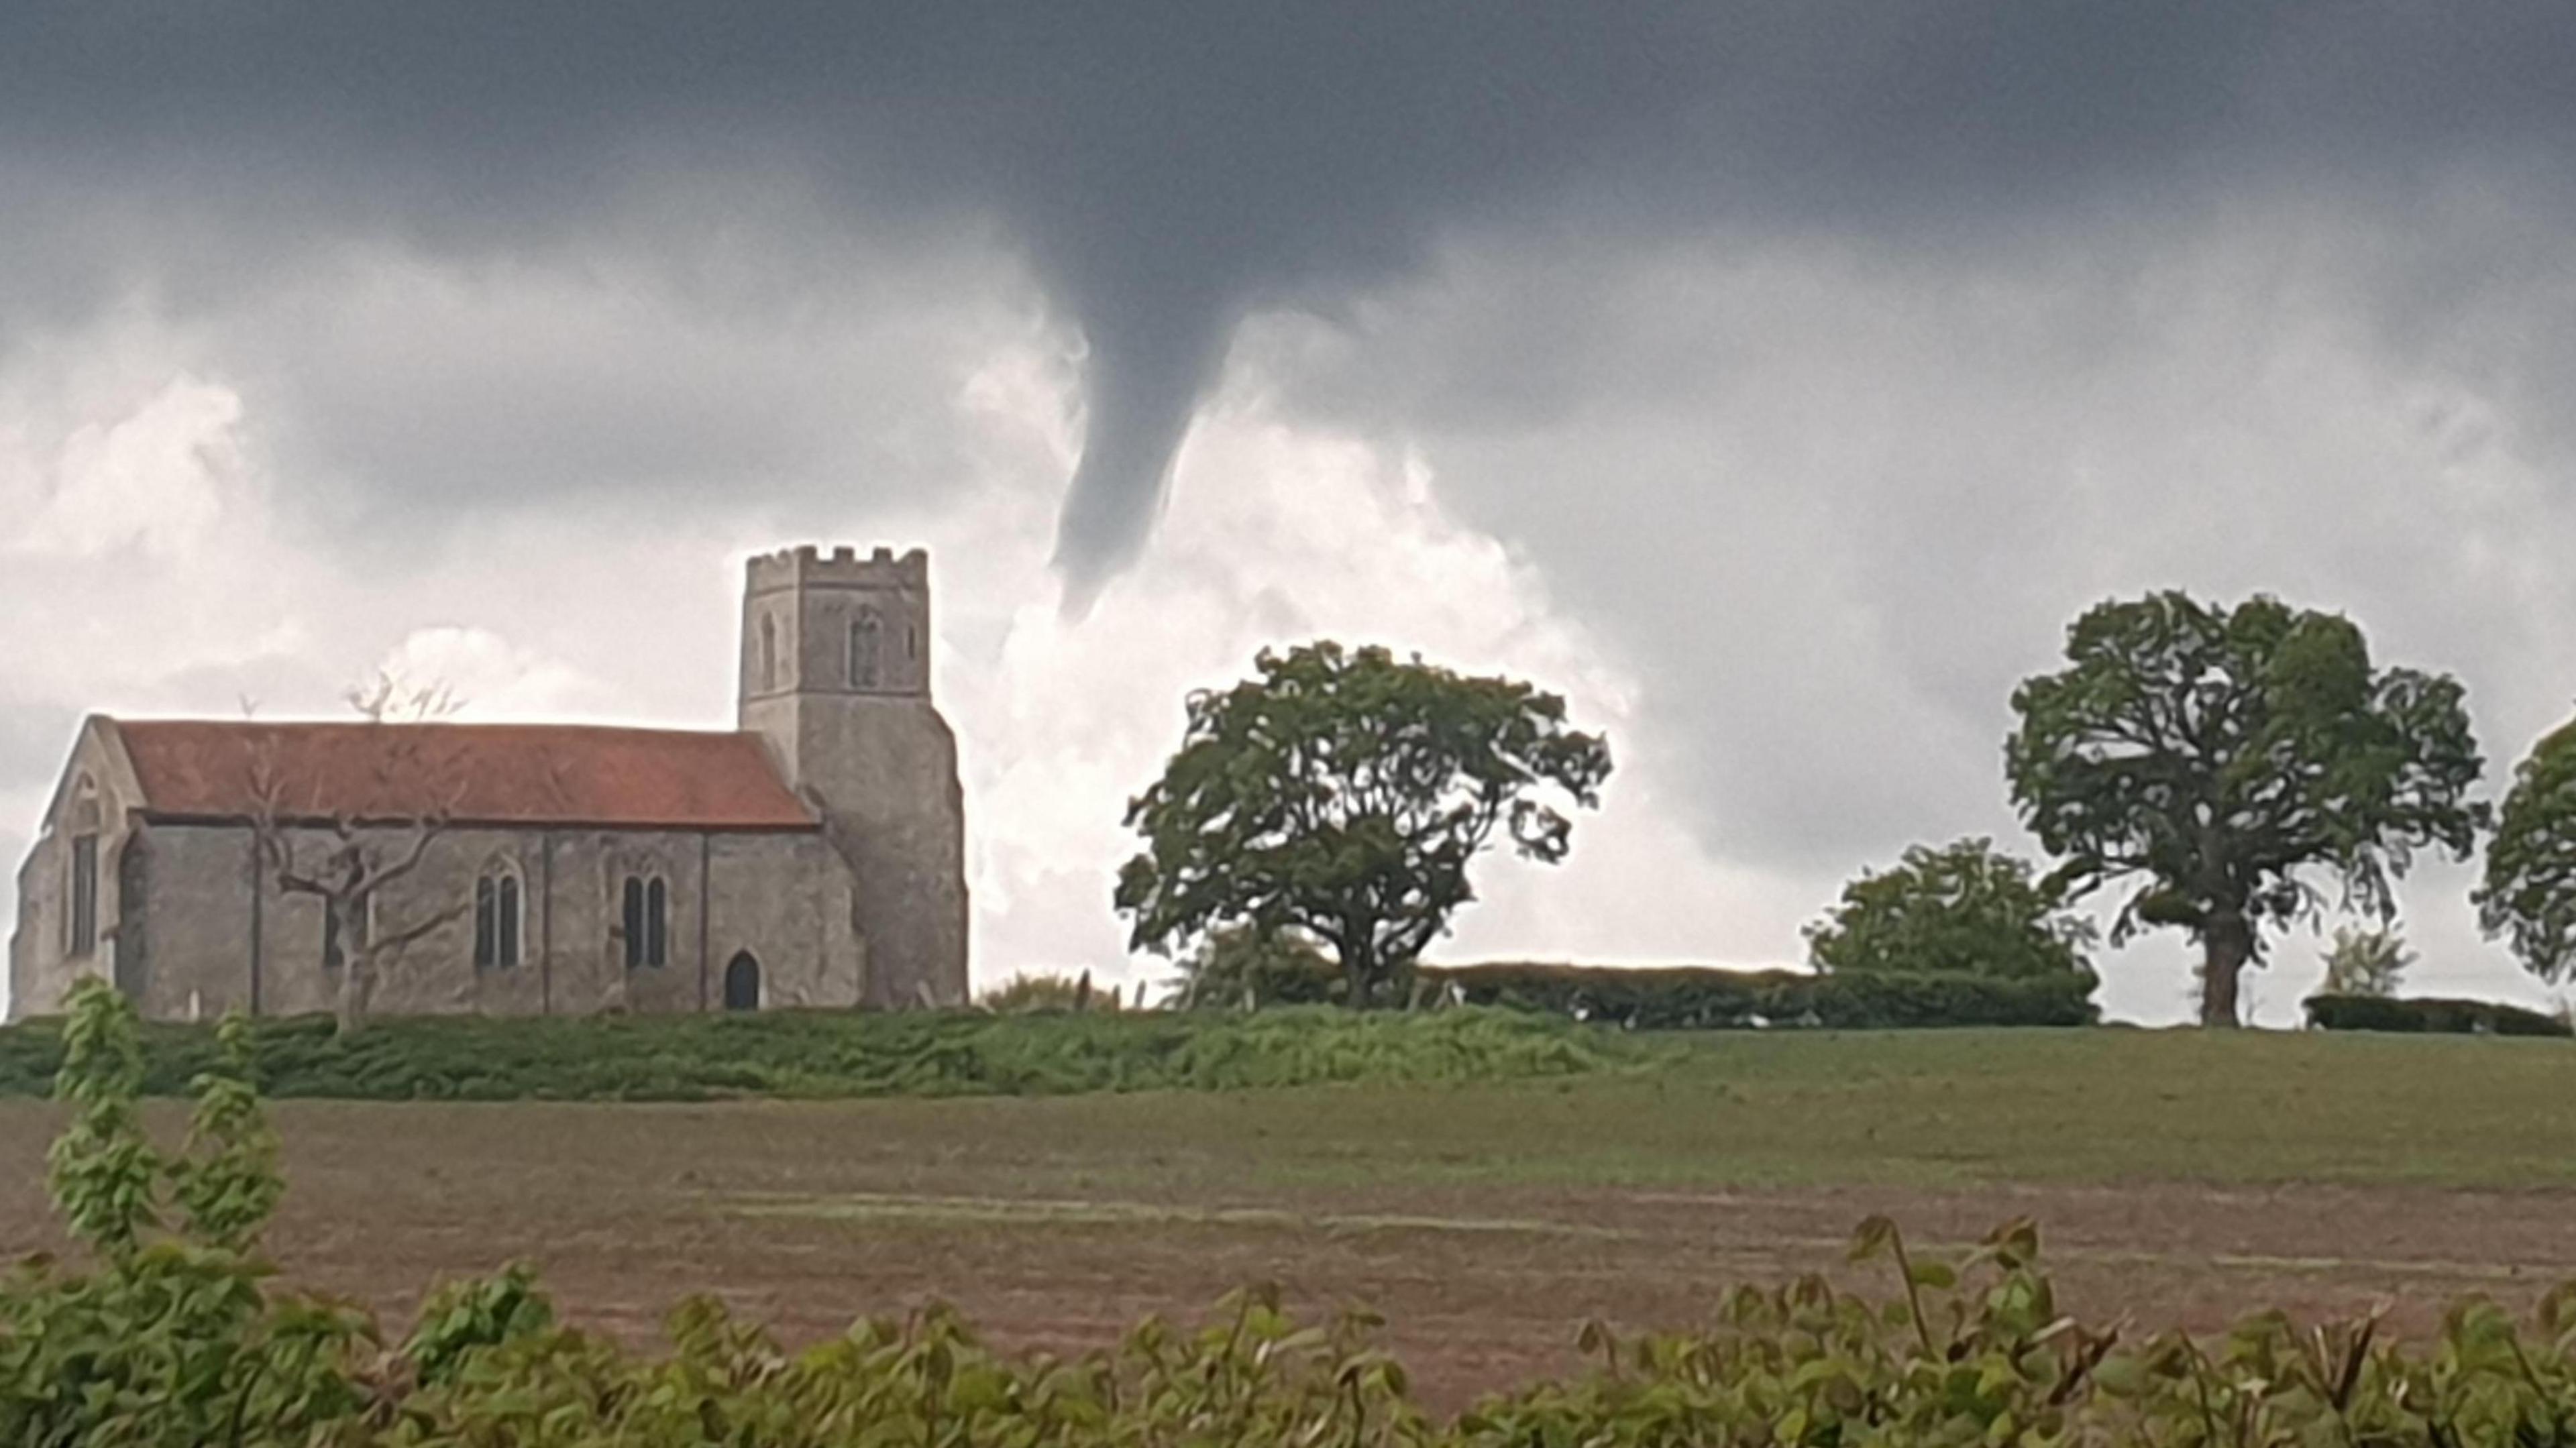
646	916
499	934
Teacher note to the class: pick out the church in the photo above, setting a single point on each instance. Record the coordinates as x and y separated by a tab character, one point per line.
812	856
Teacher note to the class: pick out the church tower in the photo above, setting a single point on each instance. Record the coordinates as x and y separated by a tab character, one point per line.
836	677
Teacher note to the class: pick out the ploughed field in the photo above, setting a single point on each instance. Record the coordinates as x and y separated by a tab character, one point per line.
2179	1177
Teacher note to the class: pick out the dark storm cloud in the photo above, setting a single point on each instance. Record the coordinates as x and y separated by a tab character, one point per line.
1166	170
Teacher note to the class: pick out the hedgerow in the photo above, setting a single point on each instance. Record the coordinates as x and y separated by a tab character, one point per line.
2439	1015
1705	998
169	1332
844	1054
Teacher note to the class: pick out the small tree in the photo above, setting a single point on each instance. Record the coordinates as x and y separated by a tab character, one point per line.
2365	963
1345	793
1965	908
2529	894
350	857
2215	754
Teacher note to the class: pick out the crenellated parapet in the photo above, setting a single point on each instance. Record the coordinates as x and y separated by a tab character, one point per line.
842	567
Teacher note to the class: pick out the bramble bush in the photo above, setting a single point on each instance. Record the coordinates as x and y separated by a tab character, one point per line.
169	1333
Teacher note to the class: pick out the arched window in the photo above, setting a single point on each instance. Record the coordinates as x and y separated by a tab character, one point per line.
498	937
768	652
84	893
647	917
912	641
863	652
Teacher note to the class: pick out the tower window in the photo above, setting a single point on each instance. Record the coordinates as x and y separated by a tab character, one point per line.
497	914
768	652
647	919
863	652
84	902
912	642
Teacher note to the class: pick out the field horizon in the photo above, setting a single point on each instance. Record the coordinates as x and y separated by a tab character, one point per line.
2182	1176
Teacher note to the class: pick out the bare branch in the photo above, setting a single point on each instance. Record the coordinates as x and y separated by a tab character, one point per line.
370	880
392	945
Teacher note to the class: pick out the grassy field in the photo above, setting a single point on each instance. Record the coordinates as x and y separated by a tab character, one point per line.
2177	1175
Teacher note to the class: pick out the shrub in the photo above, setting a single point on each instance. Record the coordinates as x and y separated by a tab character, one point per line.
2429	1014
1241	967
843	1054
1022	994
1963	909
1704	998
2365	963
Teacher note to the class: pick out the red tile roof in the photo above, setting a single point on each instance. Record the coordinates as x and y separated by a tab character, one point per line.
517	774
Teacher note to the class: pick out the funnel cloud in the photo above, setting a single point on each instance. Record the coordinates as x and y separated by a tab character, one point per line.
1167	171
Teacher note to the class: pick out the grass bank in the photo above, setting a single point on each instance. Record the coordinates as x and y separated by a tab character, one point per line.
847	1054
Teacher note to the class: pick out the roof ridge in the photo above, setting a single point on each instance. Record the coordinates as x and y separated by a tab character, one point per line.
605	775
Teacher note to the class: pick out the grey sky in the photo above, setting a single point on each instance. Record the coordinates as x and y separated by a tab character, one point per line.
1817	360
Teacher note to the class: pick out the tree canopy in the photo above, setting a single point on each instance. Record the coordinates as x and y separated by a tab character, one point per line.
2221	758
1344	793
2529	894
1964	908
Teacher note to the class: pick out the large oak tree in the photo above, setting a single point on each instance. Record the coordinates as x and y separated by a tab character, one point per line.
1344	793
2226	759
2529	895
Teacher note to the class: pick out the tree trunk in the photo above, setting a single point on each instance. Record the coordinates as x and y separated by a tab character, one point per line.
2228	943
357	970
1359	967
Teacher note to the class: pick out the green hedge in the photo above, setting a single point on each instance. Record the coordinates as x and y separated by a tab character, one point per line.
845	1054
2430	1014
1705	998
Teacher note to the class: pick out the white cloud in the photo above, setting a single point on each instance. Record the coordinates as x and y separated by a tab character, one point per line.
159	479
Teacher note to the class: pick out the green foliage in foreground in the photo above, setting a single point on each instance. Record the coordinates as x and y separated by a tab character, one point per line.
174	1338
1704	998
845	1054
2434	1014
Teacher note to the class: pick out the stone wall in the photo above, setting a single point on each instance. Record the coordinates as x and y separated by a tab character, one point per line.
98	795
220	934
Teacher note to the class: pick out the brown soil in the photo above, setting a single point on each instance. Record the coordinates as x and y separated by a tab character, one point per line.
810	1215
